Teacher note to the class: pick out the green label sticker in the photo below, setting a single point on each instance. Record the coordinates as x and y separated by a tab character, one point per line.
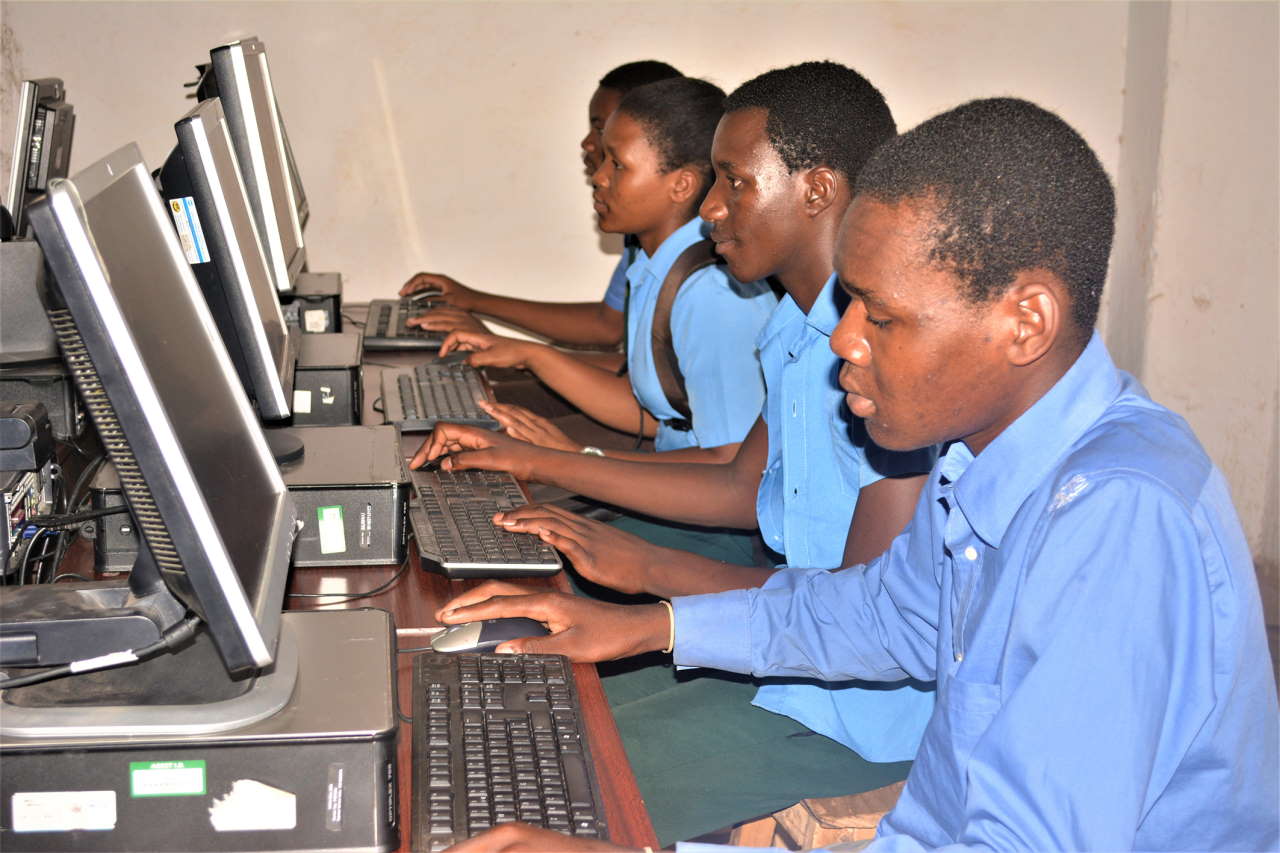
166	778
333	539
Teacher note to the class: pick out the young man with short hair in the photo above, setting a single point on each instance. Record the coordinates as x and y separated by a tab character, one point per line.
785	153
1075	577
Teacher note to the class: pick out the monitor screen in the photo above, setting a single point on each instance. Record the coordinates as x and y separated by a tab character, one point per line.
41	145
202	185
174	415
257	133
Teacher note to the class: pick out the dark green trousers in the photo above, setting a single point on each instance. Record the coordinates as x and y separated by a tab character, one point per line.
705	757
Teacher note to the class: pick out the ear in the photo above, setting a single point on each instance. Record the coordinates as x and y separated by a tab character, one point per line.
684	185
822	185
1035	309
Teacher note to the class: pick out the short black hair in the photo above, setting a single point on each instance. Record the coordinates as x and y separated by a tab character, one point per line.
1014	187
679	118
819	114
633	75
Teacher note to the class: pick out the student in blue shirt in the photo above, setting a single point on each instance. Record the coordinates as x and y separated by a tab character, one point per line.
581	323
654	175
1075	577
822	494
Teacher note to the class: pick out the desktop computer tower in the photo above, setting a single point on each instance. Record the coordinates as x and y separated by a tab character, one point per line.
315	303
326	382
319	774
351	491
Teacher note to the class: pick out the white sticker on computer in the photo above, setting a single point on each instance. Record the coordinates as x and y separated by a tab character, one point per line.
333	539
190	234
315	320
301	401
63	811
251	805
166	778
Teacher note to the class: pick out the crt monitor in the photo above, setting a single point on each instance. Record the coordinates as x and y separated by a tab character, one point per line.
215	518
206	200
257	134
41	145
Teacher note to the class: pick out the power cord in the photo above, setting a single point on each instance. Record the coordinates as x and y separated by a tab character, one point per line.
171	638
351	596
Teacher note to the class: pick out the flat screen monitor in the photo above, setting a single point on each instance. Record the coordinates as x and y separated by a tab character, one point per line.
215	518
41	145
202	186
257	134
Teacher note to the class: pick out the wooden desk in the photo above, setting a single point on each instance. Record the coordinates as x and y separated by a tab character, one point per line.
412	601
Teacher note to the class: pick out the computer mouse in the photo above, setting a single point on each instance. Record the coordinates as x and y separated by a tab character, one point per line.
420	295
455	357
486	635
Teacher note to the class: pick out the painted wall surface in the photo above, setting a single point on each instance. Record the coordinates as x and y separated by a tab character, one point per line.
1211	340
443	136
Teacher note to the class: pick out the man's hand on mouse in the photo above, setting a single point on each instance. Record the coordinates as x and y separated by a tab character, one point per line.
599	552
512	837
583	630
452	292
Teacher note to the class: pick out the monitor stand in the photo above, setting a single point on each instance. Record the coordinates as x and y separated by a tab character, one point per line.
286	448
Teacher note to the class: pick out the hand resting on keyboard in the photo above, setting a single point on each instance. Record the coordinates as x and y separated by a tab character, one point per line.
445	318
471	447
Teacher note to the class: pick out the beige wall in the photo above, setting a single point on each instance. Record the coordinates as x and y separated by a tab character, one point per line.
443	135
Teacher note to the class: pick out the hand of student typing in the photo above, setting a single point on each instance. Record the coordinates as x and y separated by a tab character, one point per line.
512	837
474	447
447	319
489	350
452	291
582	629
600	553
524	425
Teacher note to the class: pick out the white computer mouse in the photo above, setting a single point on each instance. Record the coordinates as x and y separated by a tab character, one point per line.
485	635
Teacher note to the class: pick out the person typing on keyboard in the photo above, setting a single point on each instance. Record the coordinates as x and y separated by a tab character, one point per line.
598	324
821	493
1074	579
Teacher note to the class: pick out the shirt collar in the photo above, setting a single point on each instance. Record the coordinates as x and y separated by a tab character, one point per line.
823	316
1012	466
679	240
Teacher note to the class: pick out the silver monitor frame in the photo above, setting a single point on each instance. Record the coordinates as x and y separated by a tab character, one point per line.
49	92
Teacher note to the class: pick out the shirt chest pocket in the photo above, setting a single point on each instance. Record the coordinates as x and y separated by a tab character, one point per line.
962	715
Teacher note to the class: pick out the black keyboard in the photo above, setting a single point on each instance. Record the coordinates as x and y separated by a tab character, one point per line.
499	738
437	390
385	327
453	523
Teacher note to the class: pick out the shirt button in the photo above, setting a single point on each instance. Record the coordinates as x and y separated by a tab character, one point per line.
971	553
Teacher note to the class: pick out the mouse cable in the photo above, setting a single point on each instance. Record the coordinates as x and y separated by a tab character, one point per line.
349	596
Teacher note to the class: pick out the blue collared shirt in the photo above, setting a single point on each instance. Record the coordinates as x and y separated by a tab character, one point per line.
819	460
615	295
1084	597
714	324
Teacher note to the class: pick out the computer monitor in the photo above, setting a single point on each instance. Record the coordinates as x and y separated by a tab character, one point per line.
216	521
41	145
202	185
257	134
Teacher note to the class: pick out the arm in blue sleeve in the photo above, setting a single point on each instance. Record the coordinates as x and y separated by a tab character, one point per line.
876	622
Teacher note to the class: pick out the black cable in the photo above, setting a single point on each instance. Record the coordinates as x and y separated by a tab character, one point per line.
350	596
353	321
50	521
179	633
377	406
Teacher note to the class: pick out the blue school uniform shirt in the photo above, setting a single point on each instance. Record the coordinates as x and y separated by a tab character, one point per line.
1083	594
615	295
714	324
819	460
